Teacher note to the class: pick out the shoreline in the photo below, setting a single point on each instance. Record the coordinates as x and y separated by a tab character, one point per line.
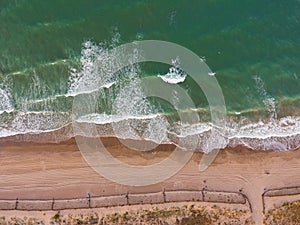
270	135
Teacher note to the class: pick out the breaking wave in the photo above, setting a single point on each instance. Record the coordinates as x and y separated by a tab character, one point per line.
175	74
122	110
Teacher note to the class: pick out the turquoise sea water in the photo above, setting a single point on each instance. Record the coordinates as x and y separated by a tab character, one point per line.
252	46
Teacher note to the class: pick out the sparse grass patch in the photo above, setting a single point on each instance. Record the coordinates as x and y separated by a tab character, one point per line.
287	214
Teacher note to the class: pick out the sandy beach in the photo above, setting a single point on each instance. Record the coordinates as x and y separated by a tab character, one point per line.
37	171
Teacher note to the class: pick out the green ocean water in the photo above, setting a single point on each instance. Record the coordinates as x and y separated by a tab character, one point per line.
239	39
252	46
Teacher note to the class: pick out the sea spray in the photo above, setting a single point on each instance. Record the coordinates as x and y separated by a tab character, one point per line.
269	102
5	100
126	98
124	111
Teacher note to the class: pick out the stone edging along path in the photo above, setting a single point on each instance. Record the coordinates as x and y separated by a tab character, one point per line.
126	199
281	192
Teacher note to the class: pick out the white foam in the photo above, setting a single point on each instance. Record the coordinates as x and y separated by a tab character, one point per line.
96	69
88	91
108	85
280	135
274	128
174	76
5	102
269	101
99	118
33	122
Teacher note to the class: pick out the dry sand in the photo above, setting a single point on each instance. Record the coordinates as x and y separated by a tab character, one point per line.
46	171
